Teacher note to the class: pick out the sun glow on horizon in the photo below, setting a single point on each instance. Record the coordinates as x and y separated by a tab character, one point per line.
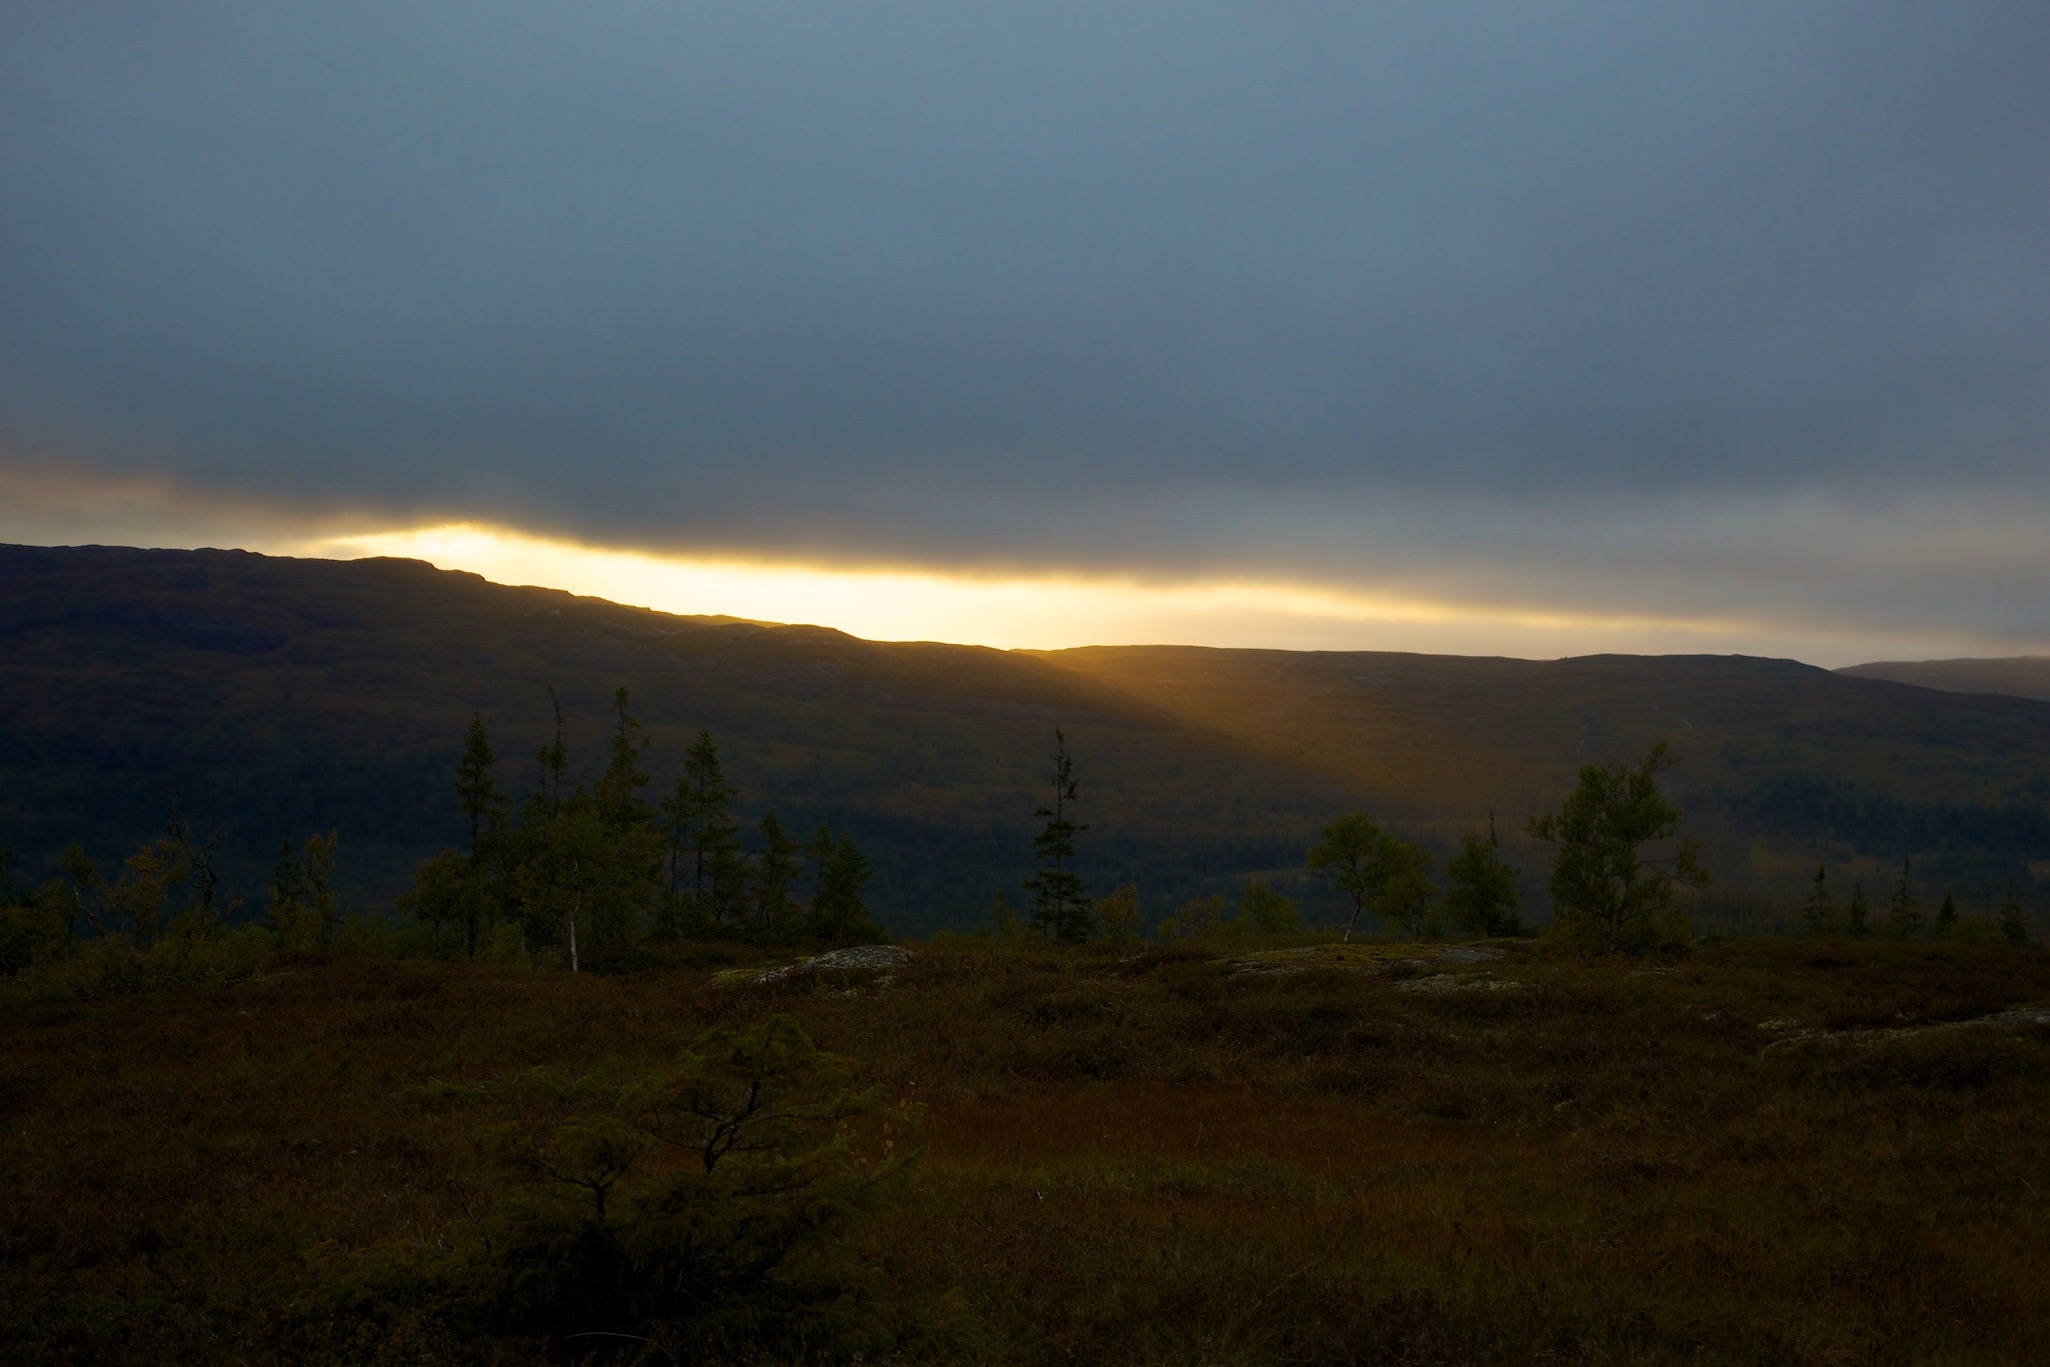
1035	612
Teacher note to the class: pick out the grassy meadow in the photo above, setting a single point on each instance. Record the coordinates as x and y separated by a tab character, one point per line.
1769	1151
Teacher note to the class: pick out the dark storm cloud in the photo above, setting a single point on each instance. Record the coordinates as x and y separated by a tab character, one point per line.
1272	283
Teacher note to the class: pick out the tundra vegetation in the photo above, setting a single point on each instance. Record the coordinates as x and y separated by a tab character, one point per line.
601	1102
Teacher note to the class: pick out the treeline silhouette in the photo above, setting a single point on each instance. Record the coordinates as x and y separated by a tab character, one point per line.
1817	808
580	871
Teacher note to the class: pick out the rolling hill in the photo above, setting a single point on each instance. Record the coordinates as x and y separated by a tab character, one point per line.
2019	676
283	696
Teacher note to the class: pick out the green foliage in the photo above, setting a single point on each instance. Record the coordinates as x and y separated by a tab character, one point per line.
1264	914
508	944
591	873
135	947
1117	915
1347	854
579	874
705	842
1003	918
115	966
1406	888
838	913
449	896
1609	892
35	928
1060	899
1199	920
579	887
699	1207
134	903
1263	910
1375	870
1481	895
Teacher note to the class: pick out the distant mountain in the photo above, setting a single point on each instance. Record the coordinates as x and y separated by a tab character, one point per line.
281	697
2019	676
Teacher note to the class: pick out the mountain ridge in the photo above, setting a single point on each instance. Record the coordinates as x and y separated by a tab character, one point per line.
2016	676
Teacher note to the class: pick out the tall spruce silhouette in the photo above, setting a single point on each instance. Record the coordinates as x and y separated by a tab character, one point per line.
702	804
1060	899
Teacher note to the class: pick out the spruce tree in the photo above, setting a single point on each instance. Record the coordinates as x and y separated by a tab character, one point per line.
839	912
676	831
1904	915
634	859
317	876
704	800
1060	899
2012	924
1946	916
554	759
1818	913
819	849
477	791
775	868
483	805
619	789
1858	915
569	879
1481	893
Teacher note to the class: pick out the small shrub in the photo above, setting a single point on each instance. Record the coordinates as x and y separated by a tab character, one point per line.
696	1208
114	966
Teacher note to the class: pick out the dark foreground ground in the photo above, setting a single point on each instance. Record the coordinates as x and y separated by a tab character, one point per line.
1773	1152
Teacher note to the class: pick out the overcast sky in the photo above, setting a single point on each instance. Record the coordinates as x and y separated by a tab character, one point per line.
1709	310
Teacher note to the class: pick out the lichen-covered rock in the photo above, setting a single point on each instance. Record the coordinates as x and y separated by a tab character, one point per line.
839	960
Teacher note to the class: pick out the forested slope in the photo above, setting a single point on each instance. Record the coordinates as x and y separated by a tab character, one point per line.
1784	764
285	696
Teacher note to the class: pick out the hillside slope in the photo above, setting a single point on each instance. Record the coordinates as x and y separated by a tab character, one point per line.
2020	676
1437	731
285	696
1783	763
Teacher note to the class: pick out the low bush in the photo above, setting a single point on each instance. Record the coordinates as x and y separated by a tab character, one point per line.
697	1209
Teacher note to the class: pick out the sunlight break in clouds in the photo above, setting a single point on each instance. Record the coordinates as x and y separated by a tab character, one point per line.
1051	612
51	504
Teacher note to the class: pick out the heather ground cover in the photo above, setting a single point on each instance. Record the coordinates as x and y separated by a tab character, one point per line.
1766	1151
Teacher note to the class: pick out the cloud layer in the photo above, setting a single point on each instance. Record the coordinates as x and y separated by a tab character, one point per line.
1733	310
